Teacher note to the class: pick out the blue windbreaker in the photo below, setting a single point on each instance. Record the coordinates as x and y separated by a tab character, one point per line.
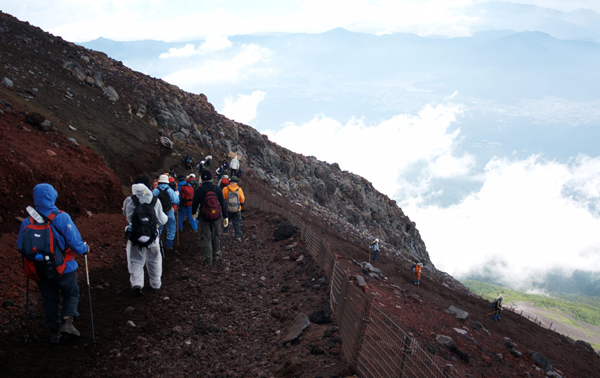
44	198
172	195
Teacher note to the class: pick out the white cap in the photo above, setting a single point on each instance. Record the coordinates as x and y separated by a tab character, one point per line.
163	179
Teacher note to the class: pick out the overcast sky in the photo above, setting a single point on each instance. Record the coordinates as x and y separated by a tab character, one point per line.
529	214
176	20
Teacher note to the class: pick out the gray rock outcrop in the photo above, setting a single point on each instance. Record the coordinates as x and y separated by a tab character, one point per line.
76	69
111	93
296	328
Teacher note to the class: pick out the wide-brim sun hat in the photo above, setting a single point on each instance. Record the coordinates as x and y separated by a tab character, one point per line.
163	179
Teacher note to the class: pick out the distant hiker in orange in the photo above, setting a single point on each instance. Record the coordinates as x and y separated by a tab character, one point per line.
417	271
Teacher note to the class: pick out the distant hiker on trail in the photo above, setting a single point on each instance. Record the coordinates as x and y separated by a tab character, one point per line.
234	197
187	162
209	206
417	271
168	197
144	212
52	266
225	165
172	172
234	166
200	166
223	182
376	247
207	160
497	304
191	179
186	196
219	171
173	184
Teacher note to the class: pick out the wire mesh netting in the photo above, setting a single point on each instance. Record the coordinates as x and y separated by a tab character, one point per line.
371	339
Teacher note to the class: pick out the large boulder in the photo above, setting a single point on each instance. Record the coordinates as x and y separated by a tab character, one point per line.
295	329
111	93
76	69
458	313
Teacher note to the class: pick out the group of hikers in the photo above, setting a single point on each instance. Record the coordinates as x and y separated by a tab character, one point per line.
49	240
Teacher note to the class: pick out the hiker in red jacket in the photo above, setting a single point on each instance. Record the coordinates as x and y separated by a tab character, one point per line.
186	196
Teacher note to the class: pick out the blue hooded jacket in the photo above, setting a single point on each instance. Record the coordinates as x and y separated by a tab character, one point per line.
174	197
44	198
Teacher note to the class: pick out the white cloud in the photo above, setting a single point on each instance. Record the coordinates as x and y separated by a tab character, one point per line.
243	109
532	215
211	44
522	217
251	61
180	52
383	153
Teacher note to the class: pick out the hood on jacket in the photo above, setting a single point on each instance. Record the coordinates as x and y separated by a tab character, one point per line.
143	193
183	183
44	198
232	186
163	186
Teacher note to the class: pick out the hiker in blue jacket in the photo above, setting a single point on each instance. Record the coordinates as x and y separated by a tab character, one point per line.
163	184
44	198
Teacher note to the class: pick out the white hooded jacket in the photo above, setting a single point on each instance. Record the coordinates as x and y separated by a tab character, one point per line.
235	163
145	196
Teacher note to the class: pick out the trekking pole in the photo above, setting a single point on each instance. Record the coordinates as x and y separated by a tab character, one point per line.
26	311
87	276
493	312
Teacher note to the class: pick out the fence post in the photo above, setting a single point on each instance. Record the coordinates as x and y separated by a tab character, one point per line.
365	323
406	349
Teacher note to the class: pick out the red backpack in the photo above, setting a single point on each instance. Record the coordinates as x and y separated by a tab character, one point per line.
187	195
211	208
42	257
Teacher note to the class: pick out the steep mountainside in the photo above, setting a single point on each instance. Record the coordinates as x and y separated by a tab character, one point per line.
123	112
227	320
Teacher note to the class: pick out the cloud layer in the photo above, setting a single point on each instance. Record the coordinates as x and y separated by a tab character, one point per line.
244	108
177	20
524	217
250	61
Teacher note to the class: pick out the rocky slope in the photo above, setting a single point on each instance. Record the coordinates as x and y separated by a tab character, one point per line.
226	320
123	111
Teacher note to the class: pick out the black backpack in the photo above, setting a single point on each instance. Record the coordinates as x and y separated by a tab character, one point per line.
143	222
165	199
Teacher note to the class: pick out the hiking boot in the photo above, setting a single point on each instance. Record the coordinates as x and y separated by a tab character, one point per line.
68	328
55	336
137	291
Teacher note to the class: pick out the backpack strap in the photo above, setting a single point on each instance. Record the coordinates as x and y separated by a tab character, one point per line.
153	202
136	200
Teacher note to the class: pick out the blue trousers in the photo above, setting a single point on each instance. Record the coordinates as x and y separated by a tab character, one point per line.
51	290
186	211
375	254
171	227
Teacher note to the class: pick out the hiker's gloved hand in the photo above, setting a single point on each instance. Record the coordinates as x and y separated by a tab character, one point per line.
89	248
195	216
177	193
225	222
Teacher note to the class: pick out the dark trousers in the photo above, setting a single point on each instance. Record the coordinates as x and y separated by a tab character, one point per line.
209	239
51	290
232	172
235	219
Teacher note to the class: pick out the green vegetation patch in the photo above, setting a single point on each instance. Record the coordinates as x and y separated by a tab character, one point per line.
582	308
